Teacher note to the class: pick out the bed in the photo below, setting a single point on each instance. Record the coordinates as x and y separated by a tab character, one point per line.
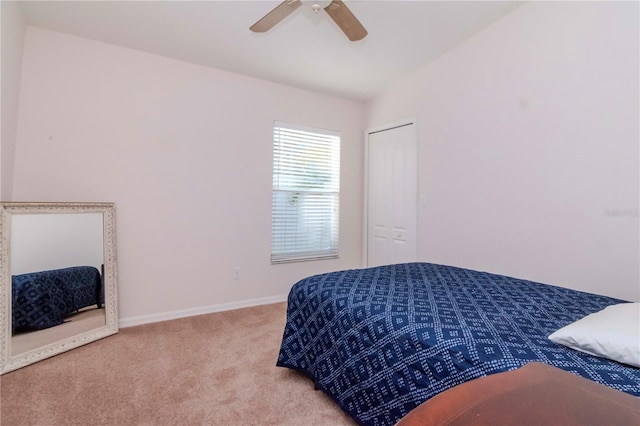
43	299
380	341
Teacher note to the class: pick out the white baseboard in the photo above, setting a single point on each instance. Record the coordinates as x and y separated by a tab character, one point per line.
165	316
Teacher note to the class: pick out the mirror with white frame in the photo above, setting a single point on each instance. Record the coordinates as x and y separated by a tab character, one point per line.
58	283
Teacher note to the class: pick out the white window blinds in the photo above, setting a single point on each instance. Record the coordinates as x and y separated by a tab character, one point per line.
306	193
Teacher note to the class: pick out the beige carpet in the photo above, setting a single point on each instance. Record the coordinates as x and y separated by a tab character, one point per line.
216	369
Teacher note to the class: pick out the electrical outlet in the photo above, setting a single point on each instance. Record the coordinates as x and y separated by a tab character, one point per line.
236	273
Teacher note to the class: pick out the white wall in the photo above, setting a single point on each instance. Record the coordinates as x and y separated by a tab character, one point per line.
185	153
13	29
528	147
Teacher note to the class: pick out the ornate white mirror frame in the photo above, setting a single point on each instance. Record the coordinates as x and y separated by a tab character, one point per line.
11	359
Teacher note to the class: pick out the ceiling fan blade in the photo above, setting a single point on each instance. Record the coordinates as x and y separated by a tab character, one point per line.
346	20
276	15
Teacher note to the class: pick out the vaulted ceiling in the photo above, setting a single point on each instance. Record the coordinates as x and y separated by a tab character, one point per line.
305	50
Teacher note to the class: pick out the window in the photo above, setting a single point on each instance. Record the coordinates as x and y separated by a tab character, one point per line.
306	193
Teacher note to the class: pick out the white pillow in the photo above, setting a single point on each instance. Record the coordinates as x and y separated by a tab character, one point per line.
613	333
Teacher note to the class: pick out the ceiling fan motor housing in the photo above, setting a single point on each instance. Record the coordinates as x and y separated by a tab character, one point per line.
316	5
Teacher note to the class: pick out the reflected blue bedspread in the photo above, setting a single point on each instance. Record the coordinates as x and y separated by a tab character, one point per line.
43	299
380	341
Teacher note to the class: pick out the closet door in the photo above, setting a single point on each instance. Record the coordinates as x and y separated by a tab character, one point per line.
392	195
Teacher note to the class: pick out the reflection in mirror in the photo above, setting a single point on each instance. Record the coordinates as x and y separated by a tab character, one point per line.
56	281
58	278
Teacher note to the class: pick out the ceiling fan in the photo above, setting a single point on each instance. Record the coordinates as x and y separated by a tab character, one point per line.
337	10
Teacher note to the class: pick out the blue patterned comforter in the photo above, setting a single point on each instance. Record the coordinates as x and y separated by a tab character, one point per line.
380	341
43	299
